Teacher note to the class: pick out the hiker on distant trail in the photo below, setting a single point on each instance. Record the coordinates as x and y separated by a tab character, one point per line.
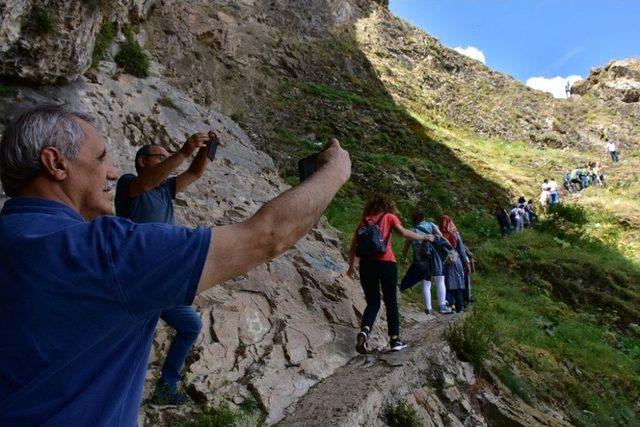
567	89
533	217
467	295
545	185
545	199
372	244
526	218
517	217
554	197
598	170
613	152
426	264
567	184
148	198
504	222
578	177
455	272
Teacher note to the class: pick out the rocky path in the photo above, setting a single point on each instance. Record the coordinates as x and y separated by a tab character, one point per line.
358	393
428	376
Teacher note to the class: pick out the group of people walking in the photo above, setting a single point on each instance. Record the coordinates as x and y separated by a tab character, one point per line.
520	216
581	177
439	255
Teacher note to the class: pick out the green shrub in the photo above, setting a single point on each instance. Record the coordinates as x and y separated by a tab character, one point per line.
515	384
166	101
571	213
104	38
103	5
4	90
133	59
43	20
471	338
402	415
222	416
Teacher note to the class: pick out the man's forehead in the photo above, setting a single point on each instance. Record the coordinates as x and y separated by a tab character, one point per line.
92	136
157	149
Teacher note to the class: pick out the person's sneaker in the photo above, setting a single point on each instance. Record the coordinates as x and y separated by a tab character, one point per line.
165	395
396	344
427	311
445	309
362	342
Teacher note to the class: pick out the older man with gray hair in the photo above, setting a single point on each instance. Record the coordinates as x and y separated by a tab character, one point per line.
81	291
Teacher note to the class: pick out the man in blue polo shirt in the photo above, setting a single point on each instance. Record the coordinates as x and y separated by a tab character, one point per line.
81	293
148	197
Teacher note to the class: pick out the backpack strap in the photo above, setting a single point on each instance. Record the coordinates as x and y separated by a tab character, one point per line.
380	218
382	215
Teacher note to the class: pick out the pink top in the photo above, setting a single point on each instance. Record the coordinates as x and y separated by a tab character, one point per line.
386	225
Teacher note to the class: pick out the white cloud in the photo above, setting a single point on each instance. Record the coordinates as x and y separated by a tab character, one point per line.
472	52
554	85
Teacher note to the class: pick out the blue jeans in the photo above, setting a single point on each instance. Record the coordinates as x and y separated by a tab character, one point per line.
187	324
583	181
614	155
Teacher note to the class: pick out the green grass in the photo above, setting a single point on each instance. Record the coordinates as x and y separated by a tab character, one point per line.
557	313
43	20
402	414
103	5
471	339
556	305
166	101
104	38
248	413
133	59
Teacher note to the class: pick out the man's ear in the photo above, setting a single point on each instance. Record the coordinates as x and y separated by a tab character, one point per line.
54	163
141	162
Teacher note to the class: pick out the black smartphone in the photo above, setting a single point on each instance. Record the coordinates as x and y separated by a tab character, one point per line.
214	141
307	166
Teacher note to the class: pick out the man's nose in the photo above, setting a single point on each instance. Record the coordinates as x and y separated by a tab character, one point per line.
112	173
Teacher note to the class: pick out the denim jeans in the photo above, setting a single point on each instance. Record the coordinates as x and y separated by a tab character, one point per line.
187	324
583	182
614	155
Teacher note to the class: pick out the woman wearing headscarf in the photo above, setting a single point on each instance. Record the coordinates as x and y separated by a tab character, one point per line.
455	273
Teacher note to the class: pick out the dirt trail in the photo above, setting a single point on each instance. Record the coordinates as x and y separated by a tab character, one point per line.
357	393
427	376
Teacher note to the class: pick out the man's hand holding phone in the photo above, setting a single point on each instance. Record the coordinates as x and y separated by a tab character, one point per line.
331	154
213	143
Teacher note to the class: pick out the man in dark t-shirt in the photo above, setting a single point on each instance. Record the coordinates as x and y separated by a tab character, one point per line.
148	198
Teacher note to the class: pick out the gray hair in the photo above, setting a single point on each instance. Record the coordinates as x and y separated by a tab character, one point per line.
24	139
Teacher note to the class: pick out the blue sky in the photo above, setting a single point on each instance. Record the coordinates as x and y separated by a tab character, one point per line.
532	38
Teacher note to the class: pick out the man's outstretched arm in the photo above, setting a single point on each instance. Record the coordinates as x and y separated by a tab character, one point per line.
278	225
197	167
152	176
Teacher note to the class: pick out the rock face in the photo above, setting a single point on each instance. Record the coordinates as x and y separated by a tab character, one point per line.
52	41
618	80
268	335
47	42
238	56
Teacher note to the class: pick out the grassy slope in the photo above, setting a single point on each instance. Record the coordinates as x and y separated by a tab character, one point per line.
548	294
